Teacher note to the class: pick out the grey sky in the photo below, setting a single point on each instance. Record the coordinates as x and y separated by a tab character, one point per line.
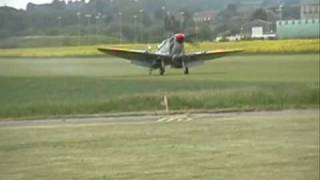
21	4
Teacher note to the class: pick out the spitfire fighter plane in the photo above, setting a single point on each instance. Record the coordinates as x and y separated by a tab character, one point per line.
171	53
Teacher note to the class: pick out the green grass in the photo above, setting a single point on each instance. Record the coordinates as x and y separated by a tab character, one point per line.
250	47
285	148
54	41
48	87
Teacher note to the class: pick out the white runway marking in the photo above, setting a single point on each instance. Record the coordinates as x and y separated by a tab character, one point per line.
178	118
182	118
162	119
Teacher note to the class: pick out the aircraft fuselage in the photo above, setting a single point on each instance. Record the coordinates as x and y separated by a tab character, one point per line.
174	47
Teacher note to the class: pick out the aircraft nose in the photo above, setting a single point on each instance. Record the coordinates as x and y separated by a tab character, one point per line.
180	38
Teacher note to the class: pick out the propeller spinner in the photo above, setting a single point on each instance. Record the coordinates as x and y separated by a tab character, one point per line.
180	38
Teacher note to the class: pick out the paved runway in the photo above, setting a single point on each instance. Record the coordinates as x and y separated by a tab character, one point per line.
190	117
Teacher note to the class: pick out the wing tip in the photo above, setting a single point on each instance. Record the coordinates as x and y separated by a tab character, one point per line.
100	49
105	49
110	50
227	51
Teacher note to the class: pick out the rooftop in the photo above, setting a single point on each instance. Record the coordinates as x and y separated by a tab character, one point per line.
310	2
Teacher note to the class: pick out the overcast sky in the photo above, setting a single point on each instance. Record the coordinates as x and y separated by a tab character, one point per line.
21	4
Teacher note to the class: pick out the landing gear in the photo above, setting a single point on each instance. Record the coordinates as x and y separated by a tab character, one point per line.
186	70
162	70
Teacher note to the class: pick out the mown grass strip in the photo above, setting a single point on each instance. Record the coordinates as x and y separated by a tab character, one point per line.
282	147
275	97
37	87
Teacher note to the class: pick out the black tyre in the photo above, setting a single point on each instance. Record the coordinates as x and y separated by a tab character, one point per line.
162	71
186	70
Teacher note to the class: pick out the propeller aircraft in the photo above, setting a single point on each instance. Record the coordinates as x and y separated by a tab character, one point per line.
170	53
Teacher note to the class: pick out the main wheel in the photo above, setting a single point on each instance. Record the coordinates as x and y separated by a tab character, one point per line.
162	71
162	67
186	70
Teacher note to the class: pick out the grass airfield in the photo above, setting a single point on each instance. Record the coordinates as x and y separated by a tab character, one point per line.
242	147
268	147
37	88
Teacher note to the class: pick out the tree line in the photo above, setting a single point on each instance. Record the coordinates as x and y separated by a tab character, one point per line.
134	20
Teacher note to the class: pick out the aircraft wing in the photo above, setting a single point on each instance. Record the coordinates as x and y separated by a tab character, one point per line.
200	57
138	57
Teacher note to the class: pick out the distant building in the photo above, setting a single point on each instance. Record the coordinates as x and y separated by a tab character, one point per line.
38	7
306	27
258	29
310	9
56	4
244	5
75	5
205	16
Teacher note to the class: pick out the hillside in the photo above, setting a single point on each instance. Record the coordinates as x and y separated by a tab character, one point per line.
107	17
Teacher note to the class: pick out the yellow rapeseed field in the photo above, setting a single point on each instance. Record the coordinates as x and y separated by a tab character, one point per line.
250	47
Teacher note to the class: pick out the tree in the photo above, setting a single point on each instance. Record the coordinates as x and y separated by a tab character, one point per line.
171	23
291	12
205	32
230	12
188	22
259	14
157	18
